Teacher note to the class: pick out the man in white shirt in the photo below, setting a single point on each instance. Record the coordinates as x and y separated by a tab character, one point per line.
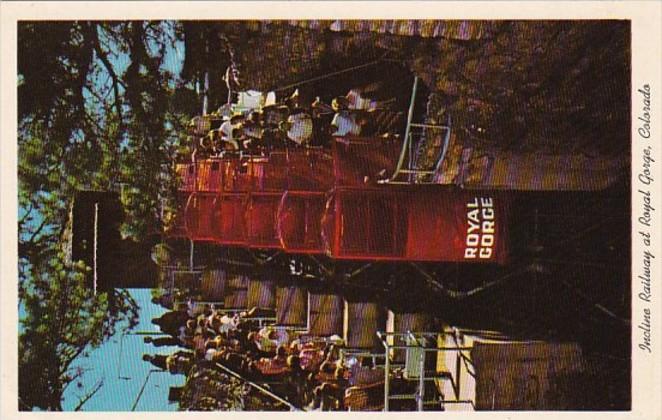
300	128
344	122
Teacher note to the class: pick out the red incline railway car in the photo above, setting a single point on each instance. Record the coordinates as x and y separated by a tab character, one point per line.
318	201
416	223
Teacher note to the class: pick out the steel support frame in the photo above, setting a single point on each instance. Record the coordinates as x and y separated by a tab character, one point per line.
414	337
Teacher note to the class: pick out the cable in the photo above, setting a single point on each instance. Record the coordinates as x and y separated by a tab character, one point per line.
314	79
142	389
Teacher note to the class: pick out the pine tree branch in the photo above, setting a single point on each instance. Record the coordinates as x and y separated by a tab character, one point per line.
69	357
86	398
37	231
103	56
25	217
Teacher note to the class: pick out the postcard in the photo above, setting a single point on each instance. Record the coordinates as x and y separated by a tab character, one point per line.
331	206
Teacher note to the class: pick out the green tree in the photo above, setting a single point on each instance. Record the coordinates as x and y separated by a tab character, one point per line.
63	320
94	110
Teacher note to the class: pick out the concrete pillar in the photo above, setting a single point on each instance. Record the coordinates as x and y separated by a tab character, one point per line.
261	294
213	284
236	291
325	314
361	322
291	306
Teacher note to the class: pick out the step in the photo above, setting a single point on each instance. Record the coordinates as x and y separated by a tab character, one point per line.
402	397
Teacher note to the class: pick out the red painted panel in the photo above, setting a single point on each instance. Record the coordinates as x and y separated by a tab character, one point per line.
372	223
309	170
268	173
358	162
237	175
209	175
299	201
199	216
231	222
185	176
417	224
178	226
261	220
300	222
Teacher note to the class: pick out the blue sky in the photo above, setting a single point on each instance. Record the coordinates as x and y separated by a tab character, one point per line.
118	362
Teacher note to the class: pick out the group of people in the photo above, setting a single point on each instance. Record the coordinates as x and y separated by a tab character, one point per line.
289	123
309	371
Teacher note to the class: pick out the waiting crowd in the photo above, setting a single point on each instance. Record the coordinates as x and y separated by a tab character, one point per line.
308	371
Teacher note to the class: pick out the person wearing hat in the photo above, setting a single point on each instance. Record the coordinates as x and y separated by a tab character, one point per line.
344	122
158	360
322	114
208	143
179	362
292	101
253	131
299	128
228	132
163	341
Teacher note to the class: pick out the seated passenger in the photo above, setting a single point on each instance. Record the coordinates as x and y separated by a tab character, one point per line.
273	115
234	360
296	381
199	342
326	371
253	131
344	122
279	337
311	357
322	115
300	128
358	99
230	131
276	365
293	102
228	323
187	332
207	143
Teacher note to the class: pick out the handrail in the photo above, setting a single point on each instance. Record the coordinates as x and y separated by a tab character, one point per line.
415	342
186	207
142	388
183	268
259	387
327	244
410	115
446	144
279	223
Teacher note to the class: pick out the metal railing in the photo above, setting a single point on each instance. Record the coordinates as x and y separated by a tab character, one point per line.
416	134
417	346
410	168
262	321
171	272
259	388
